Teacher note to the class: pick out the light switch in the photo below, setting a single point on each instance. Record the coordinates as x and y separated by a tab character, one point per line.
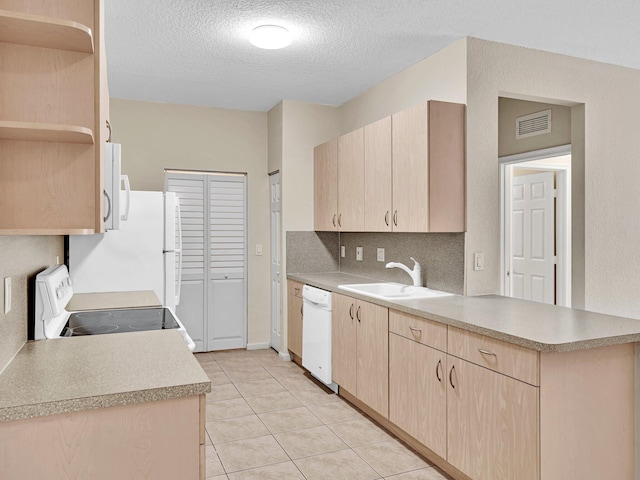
259	249
7	295
343	251
359	254
380	255
478	261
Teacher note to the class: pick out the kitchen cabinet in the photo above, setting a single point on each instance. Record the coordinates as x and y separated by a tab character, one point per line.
428	168
351	181
52	117
294	317
378	202
360	351
492	423
325	181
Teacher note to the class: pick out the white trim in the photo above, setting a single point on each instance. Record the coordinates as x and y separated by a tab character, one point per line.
285	357
258	346
563	238
536	155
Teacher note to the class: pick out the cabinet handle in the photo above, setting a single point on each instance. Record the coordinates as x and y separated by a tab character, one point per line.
395	218
301	312
438	369
386	218
351	311
334	219
109	127
487	352
106	217
340	220
414	330
453	367
296	290
358	313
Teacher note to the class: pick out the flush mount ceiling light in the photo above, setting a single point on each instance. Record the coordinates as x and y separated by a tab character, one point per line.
270	37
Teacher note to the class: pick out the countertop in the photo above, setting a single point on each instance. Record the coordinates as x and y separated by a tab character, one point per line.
542	327
106	300
49	377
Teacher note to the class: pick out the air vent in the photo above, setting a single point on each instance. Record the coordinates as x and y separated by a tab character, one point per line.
533	124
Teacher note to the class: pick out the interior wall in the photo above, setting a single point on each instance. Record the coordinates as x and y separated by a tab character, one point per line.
607	154
274	128
156	136
509	109
22	258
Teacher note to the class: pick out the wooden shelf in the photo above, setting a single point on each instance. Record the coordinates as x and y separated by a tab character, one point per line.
45	231
45	132
47	32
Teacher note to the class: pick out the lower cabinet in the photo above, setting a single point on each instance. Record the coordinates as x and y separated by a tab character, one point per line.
492	423
360	350
417	392
294	317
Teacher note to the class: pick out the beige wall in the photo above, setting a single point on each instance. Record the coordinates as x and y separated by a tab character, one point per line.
156	136
509	109
609	149
274	127
21	258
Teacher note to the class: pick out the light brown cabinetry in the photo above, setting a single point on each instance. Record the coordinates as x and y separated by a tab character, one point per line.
325	181
51	131
378	202
360	350
428	160
294	317
351	181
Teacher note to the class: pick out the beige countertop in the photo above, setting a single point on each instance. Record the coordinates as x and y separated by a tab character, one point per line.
105	300
49	377
538	326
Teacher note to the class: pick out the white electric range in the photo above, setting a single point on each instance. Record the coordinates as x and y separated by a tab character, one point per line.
53	292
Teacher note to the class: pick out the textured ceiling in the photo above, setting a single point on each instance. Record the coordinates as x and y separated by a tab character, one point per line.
197	51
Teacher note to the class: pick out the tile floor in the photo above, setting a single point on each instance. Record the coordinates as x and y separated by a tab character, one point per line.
267	420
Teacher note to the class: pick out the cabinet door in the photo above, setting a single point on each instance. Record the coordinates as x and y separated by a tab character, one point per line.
325	181
417	392
378	210
492	424
373	356
351	181
294	325
344	342
410	170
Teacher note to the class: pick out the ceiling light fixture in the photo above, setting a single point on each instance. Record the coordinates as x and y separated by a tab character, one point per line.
270	37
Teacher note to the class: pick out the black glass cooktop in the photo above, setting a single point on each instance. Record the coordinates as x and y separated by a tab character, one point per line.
99	322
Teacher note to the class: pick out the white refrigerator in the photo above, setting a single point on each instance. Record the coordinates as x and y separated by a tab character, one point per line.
145	254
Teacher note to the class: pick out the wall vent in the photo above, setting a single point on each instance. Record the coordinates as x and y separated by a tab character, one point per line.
533	124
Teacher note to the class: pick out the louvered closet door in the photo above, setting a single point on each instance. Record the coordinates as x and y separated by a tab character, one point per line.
227	217
213	303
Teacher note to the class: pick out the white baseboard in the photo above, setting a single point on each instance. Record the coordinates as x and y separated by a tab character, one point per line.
285	357
258	346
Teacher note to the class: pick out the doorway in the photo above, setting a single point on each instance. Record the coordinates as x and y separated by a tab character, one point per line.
276	287
536	225
214	248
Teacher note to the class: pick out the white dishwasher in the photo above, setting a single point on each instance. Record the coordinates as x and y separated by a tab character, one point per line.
316	334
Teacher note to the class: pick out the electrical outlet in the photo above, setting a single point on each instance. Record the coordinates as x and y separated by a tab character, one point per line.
380	255
359	254
343	251
7	295
259	249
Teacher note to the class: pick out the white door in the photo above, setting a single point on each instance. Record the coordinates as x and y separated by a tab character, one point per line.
276	289
532	269
213	292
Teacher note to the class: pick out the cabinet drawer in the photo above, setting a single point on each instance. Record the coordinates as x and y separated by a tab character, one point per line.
294	288
512	360
421	330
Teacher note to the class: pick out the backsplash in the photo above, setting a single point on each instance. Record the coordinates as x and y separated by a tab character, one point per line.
312	252
441	256
20	259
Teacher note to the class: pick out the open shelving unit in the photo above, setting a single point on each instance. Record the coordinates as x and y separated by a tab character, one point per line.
45	132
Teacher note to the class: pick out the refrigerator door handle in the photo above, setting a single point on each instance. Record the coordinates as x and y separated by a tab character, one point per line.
127	188
179	252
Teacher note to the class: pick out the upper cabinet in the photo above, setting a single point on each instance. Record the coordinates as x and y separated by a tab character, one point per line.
325	179
403	173
52	117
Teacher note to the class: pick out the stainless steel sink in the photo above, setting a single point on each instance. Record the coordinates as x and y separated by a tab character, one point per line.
393	291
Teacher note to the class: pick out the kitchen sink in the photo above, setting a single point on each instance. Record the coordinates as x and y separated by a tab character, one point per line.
393	291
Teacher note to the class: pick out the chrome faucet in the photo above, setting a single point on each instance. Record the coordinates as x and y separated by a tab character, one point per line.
415	274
